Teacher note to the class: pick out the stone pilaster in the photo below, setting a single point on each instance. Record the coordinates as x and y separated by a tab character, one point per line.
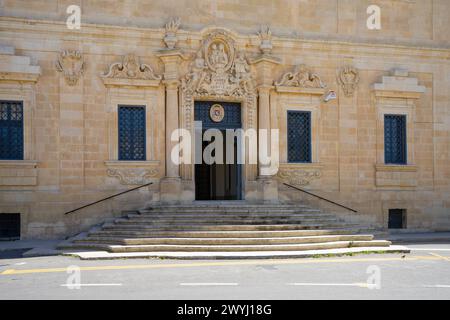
264	65
171	187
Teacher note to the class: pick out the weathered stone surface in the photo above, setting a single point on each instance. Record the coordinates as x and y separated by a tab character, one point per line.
70	126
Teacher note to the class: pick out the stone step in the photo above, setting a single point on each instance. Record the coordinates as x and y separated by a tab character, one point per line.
202	221
227	215
226	241
231	208
218	234
217	255
241	248
222	227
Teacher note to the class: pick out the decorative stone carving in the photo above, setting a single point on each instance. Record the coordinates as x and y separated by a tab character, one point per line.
302	77
217	71
133	176
266	40
348	79
171	39
217	113
71	64
131	68
299	177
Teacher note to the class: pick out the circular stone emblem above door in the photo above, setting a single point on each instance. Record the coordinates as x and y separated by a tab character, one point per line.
217	113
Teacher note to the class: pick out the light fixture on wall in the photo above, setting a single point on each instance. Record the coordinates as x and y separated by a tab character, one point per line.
330	95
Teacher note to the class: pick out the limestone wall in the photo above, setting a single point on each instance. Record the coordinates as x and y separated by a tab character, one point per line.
71	132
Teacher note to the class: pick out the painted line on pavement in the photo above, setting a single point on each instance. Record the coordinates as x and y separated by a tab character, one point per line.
218	264
93	285
427	249
360	285
438	286
440	257
210	284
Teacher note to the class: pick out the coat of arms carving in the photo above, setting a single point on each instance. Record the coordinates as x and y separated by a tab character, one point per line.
71	64
348	78
218	70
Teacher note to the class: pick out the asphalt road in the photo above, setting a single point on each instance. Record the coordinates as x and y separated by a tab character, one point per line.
423	274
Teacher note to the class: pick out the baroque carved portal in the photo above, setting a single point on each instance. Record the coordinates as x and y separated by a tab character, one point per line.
71	64
221	73
301	77
131	68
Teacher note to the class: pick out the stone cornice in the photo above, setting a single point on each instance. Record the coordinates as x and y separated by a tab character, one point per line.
374	47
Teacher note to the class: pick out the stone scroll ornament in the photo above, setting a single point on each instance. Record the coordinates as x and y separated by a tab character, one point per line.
71	64
301	77
348	79
131	68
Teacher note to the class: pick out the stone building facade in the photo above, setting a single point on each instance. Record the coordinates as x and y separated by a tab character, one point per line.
70	85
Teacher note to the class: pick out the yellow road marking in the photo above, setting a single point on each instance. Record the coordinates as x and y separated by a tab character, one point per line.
216	264
439	256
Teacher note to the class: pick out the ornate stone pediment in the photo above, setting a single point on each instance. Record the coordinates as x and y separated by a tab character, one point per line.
301	77
71	64
348	78
218	70
131	68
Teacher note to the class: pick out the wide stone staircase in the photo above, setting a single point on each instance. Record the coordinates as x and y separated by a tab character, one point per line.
223	230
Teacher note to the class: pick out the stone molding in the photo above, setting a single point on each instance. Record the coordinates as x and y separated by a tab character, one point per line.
396	176
17	68
399	85
18	173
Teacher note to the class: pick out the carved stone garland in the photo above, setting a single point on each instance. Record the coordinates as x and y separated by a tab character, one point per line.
218	72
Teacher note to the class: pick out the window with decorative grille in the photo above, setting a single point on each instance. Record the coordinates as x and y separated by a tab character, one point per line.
299	136
11	130
132	133
395	139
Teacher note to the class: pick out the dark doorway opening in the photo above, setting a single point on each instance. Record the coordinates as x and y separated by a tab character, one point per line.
9	226
221	180
397	219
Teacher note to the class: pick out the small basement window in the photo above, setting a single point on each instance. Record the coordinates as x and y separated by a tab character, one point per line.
9	226
397	219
